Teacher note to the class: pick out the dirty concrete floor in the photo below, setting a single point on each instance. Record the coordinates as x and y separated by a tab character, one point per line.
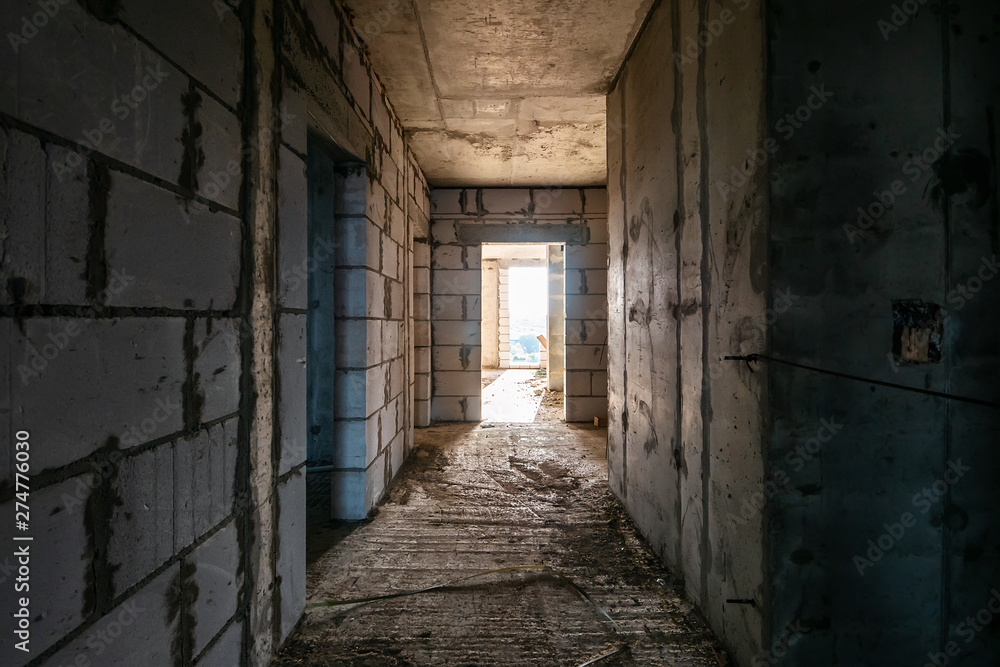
475	498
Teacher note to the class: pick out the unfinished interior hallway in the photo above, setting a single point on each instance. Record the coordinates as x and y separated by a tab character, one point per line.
241	297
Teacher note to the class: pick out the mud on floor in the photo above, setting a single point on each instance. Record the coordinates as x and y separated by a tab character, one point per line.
471	500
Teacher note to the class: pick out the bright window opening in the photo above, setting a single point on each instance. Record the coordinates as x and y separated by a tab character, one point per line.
528	311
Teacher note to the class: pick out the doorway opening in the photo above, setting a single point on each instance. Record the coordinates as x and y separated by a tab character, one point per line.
332	445
527	315
523	333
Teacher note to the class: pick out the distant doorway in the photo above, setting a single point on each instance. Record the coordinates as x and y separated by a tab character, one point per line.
522	332
527	311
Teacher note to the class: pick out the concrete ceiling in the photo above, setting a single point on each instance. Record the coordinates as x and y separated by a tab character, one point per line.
501	92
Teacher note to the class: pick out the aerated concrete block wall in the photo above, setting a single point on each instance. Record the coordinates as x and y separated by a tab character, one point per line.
124	304
503	316
422	330
491	315
154	270
556	333
461	221
380	207
885	539
688	285
585	344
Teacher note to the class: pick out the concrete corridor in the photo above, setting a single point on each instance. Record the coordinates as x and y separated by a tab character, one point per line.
258	257
475	498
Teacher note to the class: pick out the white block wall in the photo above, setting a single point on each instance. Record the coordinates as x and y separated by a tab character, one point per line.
515	215
122	254
153	275
586	280
422	330
556	353
503	317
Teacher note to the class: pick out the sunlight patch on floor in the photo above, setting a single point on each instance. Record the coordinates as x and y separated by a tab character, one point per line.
514	397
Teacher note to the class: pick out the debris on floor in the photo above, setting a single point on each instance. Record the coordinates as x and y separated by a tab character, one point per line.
473	500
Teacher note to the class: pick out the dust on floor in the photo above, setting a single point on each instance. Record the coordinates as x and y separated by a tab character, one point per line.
472	500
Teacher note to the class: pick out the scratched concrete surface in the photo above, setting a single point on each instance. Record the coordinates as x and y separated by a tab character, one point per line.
477	498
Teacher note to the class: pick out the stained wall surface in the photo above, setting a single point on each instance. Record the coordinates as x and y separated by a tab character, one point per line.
884	536
687	285
154	204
